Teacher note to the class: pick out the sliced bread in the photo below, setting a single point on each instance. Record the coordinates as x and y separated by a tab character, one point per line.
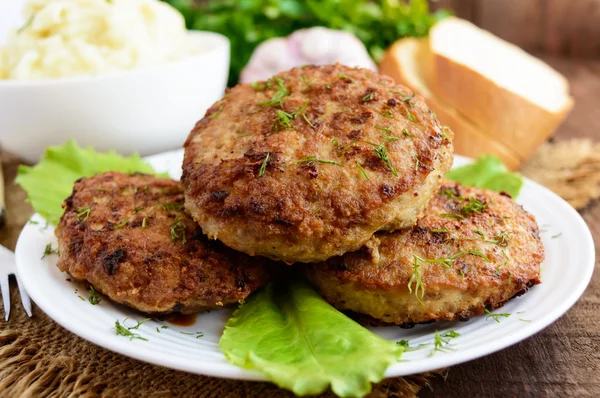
401	63
508	93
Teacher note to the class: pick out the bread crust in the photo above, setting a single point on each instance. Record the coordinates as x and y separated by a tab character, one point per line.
325	187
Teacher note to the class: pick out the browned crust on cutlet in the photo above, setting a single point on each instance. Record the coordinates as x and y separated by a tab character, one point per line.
375	280
145	264
302	210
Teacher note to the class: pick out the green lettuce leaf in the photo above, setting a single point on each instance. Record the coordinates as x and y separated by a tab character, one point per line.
51	181
303	344
488	172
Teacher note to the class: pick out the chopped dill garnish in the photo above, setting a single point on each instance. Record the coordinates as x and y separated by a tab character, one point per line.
474	206
217	113
263	166
33	222
441	231
124	330
178	230
448	261
402	93
307	83
173	206
362	171
495	316
416	279
369	96
406	133
328	85
48	250
451	215
403	343
504	264
342	76
480	233
197	334
407	98
417	162
448	193
383	128
382	153
387	113
390	138
335	142
245	135
284	120
121	224
557	235
157	330
441	341
94	296
410	116
279	96
144	223
310	159
81	298
258	86
137	210
350	145
164	327
83	213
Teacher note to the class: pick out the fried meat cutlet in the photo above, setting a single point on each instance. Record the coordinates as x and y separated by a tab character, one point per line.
472	250
129	237
309	164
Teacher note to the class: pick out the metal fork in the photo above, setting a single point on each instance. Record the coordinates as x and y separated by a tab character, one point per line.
7	268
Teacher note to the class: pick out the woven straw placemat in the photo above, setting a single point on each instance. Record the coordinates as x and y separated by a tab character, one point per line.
38	358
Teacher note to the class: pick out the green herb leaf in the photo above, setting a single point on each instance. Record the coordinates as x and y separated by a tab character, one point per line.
441	341
310	159
263	166
94	296
301	343
495	316
48	250
488	172
279	96
50	182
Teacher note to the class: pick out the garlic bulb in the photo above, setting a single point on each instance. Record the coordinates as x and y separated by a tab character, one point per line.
313	46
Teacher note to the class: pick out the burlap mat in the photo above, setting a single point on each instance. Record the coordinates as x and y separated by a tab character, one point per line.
39	358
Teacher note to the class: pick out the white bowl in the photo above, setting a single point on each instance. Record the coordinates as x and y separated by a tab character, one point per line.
145	110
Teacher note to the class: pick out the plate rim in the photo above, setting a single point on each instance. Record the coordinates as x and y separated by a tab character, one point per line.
230	371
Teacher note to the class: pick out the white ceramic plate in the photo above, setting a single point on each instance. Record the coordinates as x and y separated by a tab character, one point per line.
565	275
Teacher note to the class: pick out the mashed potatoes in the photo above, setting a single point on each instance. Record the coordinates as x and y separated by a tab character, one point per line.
64	38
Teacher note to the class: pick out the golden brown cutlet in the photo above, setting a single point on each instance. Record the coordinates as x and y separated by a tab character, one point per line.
473	249
309	164
129	237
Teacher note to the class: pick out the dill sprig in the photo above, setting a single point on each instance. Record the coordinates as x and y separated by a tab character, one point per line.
284	120
178	230
311	159
441	341
124	330
474	206
369	96
279	96
83	213
48	250
495	316
416	278
387	113
94	296
173	206
383	128
406	133
451	195
382	153
452	215
410	116
362	171
217	113
258	86
121	224
263	166
390	138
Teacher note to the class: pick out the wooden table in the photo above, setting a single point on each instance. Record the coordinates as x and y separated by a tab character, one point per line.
564	359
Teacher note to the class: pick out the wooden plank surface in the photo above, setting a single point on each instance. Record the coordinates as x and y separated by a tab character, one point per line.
564	359
559	27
